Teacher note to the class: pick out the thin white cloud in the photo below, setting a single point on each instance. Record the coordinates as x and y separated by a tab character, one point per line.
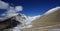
18	8
11	11
3	5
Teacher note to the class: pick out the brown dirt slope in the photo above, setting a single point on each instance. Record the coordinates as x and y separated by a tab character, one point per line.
46	22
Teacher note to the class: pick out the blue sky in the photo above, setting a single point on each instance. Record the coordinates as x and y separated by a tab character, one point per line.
33	7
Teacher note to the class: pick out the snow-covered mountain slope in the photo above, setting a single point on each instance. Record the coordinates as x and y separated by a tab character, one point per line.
26	20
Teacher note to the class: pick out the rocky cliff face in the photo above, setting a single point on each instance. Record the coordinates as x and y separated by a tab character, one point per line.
14	21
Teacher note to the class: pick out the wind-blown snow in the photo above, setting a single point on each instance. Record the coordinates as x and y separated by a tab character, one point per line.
34	17
52	10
